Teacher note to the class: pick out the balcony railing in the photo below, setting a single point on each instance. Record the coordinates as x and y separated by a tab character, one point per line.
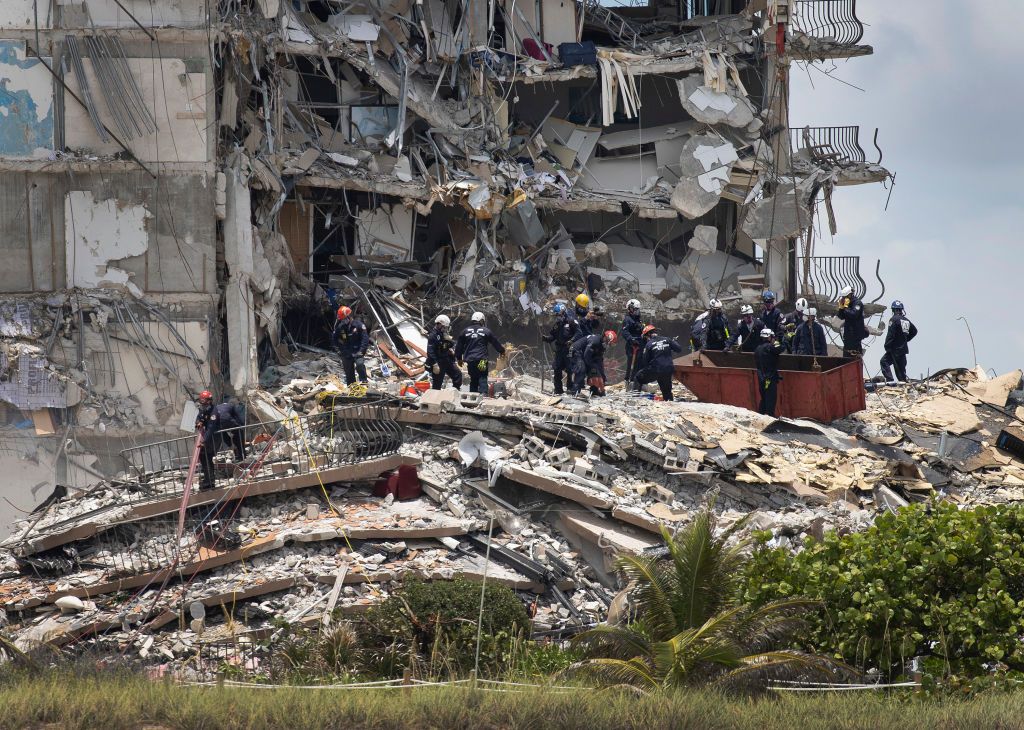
825	276
834	20
346	434
836	145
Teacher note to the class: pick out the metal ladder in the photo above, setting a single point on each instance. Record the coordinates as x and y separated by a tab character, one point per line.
620	29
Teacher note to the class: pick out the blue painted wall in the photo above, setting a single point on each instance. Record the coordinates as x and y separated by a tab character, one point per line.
21	130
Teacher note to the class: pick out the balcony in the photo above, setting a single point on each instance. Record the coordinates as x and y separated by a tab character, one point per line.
827	29
839	146
823	277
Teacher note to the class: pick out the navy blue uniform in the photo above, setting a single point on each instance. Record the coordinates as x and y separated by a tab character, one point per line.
766	356
632	339
562	334
219	423
716	334
901	332
790	324
772	319
351	340
810	340
750	334
441	353
851	311
588	322
586	357
697	333
472	348
656	364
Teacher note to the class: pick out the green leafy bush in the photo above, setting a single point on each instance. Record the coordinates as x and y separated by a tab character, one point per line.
929	581
439	619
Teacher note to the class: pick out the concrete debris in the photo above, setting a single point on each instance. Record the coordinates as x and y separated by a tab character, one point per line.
195	219
564	489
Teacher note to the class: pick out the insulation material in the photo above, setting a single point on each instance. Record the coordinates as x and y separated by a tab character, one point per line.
386	231
98	232
30	385
26	103
176	98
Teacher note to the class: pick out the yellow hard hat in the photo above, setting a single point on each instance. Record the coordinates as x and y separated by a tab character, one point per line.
583	300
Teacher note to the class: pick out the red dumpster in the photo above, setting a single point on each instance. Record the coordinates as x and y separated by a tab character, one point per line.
834	391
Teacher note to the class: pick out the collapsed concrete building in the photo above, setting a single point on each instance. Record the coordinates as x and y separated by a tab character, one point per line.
191	187
188	185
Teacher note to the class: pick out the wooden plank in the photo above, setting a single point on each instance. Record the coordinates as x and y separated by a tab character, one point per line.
332	599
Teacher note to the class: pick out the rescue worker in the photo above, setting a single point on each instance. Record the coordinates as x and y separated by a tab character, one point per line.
697	332
561	335
656	363
716	333
588	319
472	350
791	323
766	357
217	424
770	317
351	340
810	336
851	311
441	355
632	338
746	336
901	331
587	358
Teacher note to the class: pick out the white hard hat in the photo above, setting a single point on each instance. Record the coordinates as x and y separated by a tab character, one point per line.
477	317
442	320
766	333
715	304
812	312
801	305
633	304
746	309
847	291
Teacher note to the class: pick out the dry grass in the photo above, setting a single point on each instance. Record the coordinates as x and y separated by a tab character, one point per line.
122	702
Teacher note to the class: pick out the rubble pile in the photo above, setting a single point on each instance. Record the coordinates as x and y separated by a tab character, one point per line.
552	487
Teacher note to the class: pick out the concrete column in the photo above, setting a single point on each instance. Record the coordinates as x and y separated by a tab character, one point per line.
238	295
778	263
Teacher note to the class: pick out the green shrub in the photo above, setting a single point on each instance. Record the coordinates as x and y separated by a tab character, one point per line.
439	621
929	581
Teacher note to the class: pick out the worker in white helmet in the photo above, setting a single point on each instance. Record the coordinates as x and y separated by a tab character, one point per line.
472	350
632	338
441	354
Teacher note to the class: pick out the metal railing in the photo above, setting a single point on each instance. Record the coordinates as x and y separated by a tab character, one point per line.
834	20
347	433
825	276
835	145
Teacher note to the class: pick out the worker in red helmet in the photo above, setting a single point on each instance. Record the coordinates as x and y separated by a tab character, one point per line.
587	362
656	362
217	424
351	341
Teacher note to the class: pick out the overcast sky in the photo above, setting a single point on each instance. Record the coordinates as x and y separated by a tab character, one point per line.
944	87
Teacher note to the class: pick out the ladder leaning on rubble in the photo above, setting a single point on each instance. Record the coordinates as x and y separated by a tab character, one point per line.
621	29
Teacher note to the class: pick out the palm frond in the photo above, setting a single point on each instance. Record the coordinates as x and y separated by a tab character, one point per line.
617	642
652	595
634	672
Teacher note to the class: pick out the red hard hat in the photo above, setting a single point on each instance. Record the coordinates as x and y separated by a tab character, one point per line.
205	396
649	329
610	337
344	312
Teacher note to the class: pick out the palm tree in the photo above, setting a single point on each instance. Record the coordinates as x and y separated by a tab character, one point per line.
688	625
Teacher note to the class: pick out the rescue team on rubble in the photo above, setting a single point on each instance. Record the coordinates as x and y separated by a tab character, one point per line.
579	349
